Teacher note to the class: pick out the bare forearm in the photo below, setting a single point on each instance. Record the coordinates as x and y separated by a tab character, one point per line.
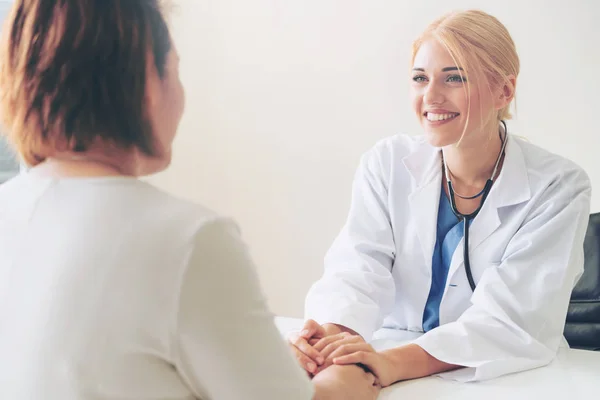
322	393
347	382
326	391
411	362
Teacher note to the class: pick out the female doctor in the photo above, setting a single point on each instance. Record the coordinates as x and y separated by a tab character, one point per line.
468	233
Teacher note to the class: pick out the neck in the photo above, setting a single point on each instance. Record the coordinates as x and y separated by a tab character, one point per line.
89	164
70	168
472	162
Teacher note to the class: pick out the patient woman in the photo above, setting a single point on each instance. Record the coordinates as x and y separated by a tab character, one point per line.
110	288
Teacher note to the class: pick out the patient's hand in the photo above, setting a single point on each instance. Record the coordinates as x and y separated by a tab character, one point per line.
302	344
308	358
332	346
347	382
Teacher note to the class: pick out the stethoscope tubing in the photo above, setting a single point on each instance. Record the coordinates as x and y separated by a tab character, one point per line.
466	218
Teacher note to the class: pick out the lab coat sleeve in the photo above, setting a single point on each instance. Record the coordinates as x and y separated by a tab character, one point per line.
519	307
357	289
225	342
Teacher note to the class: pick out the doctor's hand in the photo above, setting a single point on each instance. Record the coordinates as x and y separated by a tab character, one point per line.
347	349
302	343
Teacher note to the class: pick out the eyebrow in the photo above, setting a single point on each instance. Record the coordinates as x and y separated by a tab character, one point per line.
446	69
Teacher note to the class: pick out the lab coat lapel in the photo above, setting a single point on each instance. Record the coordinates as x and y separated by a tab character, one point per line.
511	187
425	167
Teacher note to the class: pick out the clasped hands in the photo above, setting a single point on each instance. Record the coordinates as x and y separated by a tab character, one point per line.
317	347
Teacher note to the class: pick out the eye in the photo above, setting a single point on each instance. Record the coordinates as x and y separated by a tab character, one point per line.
456	79
419	78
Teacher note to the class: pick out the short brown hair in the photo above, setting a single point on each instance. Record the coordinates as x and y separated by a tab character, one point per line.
73	71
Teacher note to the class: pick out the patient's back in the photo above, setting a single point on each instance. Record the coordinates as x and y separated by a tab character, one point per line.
112	289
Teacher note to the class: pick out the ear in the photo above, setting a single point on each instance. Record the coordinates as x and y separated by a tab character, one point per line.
506	92
153	83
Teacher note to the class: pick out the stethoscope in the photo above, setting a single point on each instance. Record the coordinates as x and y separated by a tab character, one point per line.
466	218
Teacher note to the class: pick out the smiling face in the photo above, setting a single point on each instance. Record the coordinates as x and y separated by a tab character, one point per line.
444	98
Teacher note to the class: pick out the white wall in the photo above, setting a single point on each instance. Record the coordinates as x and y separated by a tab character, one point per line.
284	96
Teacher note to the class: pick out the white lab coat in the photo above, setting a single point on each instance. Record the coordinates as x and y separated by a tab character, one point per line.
526	252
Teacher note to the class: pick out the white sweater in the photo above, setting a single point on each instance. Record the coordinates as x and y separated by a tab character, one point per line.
112	289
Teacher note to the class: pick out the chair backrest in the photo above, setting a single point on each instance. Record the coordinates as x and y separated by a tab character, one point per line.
582	329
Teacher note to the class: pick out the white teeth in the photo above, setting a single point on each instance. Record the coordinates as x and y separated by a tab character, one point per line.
440	117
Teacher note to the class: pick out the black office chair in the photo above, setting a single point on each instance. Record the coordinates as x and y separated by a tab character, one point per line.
582	329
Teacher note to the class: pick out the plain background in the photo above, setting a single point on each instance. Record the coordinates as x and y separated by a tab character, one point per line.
9	165
283	96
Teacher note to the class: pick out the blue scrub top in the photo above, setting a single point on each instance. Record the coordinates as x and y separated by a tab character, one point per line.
449	234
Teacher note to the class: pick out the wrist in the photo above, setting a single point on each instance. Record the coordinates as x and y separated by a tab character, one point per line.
331	329
327	385
397	362
323	391
412	361
334	329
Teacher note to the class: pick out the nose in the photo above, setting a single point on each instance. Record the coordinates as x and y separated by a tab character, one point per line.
433	94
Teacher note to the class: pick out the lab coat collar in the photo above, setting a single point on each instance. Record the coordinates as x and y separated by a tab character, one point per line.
425	166
512	186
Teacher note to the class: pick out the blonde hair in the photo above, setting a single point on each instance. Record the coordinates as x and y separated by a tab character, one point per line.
478	43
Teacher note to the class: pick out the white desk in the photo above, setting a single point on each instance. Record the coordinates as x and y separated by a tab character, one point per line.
574	375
